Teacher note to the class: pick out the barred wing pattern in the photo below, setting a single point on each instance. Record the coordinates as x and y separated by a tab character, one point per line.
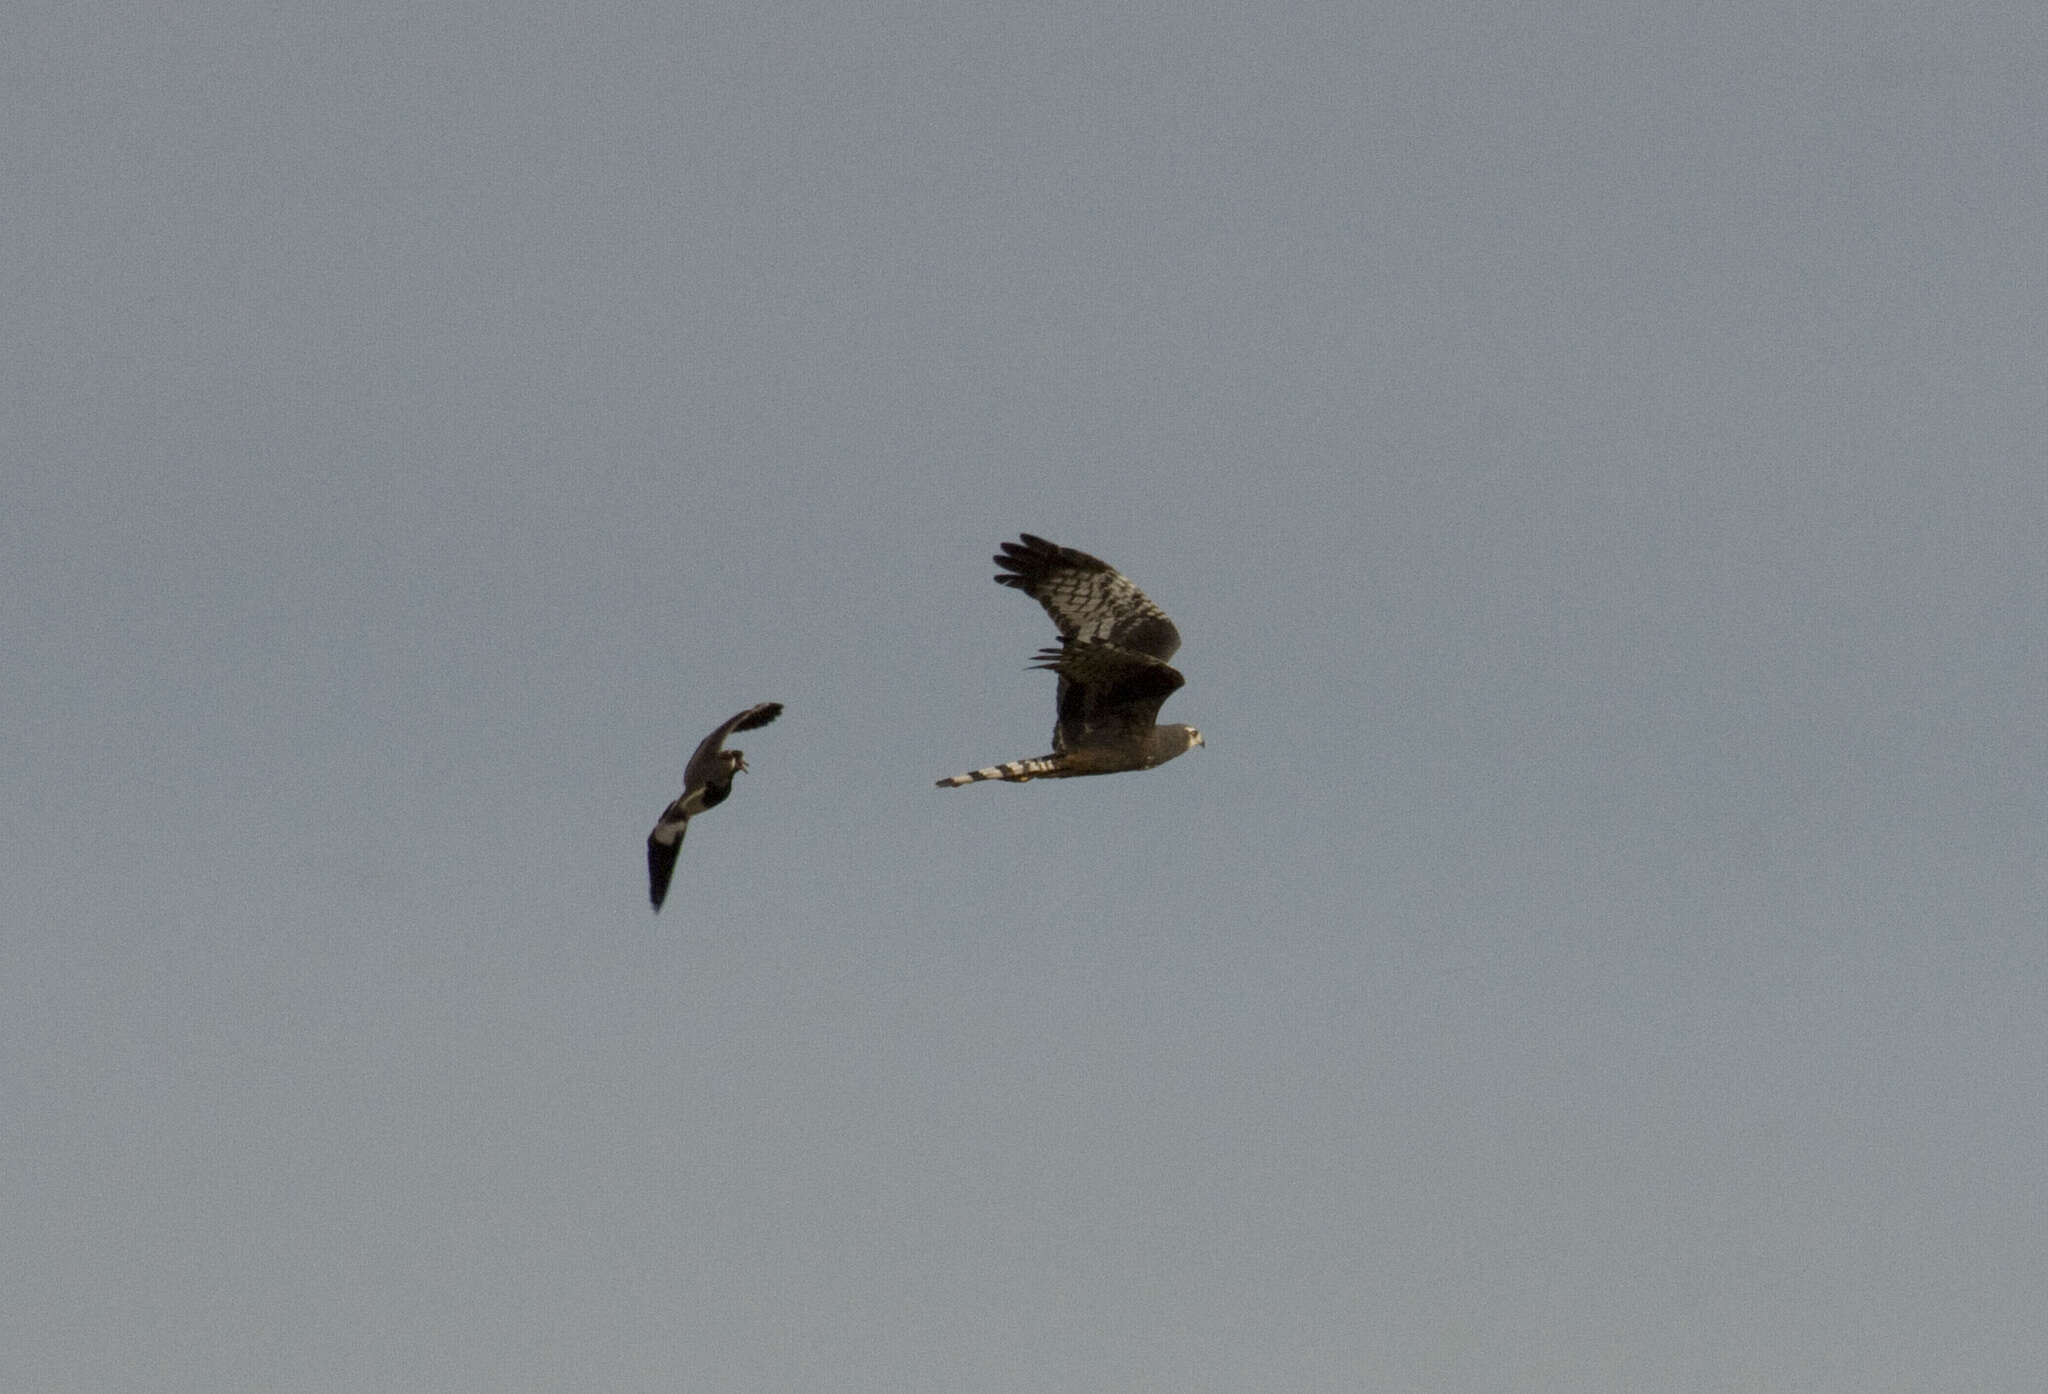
1089	600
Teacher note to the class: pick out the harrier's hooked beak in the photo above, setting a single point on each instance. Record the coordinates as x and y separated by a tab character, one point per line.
739	761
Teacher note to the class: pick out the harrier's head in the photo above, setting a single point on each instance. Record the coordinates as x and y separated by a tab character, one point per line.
735	760
1169	742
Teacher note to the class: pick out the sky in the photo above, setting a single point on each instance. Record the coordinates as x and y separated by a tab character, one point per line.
1592	453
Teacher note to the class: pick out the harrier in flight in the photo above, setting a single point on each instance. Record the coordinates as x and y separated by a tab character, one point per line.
706	783
1112	665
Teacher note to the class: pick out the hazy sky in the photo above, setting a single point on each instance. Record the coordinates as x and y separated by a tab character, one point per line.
1594	454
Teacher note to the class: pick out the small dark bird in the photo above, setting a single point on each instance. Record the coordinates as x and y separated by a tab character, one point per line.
706	783
1112	665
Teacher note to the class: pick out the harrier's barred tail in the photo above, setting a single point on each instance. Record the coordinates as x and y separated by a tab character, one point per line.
1016	771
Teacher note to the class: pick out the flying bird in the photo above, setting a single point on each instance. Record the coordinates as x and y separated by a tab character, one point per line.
1111	662
706	783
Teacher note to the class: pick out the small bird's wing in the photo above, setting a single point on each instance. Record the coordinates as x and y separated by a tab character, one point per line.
704	764
664	845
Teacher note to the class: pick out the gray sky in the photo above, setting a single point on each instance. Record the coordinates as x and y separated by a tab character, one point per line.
1593	453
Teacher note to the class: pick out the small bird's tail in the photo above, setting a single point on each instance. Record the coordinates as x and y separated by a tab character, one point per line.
1016	771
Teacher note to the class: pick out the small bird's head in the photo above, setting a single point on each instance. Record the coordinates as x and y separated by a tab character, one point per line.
1195	738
